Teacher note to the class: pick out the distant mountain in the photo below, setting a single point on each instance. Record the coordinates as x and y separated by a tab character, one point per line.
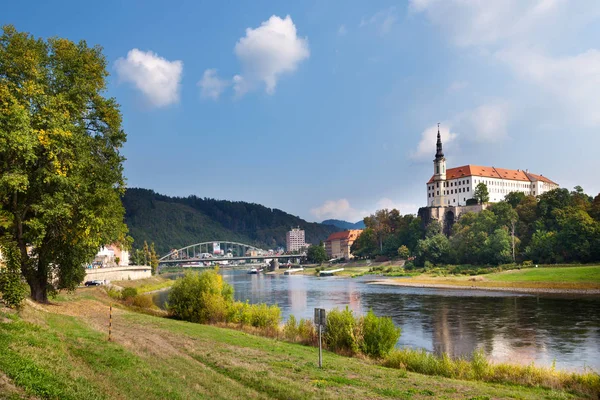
175	222
344	224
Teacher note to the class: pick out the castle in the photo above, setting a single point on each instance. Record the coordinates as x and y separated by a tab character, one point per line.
448	190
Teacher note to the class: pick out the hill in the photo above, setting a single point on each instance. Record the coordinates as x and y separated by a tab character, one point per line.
344	224
174	222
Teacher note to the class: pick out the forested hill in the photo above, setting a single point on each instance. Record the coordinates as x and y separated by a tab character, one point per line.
344	224
174	222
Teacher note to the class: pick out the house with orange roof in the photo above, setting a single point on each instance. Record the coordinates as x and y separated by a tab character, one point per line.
338	244
453	187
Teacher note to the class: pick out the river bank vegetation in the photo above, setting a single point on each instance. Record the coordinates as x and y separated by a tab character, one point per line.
559	226
61	350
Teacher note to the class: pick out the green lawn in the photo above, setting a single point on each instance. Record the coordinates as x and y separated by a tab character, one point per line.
586	274
48	354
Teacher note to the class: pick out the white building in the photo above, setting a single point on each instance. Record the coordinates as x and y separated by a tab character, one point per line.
111	256
294	239
453	187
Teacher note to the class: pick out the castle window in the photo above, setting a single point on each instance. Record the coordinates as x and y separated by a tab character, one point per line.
454	200
467	189
437	169
438	192
428	194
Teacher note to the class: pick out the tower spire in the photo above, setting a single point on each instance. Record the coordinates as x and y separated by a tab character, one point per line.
439	152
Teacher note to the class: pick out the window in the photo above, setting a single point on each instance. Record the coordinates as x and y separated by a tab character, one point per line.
438	192
454	200
437	169
428	194
464	199
467	189
437	184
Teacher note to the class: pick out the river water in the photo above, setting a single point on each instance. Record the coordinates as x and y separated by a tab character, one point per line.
509	327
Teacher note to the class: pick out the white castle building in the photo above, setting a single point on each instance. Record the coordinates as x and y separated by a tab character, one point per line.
453	187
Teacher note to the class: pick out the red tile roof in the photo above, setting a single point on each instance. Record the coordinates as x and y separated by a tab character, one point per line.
344	235
492	172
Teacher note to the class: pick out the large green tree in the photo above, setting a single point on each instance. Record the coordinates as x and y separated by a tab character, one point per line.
60	142
316	254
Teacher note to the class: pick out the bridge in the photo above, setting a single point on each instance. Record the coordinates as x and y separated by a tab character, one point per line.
220	251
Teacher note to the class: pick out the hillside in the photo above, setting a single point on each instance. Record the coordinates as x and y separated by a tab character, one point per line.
344	224
174	222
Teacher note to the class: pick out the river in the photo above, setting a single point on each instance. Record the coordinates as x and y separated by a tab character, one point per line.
509	327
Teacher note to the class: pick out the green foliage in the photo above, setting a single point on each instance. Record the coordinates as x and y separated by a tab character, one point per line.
129	293
481	193
316	254
173	222
435	249
342	333
62	173
12	287
202	298
143	301
379	335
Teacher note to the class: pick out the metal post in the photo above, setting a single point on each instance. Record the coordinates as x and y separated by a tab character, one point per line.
110	324
320	350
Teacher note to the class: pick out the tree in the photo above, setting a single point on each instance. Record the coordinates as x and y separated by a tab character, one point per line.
481	193
595	208
316	254
514	198
435	249
508	217
153	258
403	252
62	173
365	245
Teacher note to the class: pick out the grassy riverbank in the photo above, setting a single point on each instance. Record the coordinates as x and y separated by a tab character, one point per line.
560	279
156	282
61	351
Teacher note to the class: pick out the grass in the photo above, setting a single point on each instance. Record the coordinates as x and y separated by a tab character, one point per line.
61	351
553	278
151	284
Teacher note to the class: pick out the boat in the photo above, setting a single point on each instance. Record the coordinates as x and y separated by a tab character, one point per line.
255	271
330	272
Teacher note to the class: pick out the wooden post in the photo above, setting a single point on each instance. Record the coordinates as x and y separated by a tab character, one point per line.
110	324
320	350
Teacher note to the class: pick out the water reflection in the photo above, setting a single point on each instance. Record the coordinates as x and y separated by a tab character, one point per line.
507	326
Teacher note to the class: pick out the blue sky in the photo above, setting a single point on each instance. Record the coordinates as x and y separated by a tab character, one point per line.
327	109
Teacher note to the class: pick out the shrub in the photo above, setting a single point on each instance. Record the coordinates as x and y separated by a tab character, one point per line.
307	332
12	287
342	331
128	293
290	329
239	313
113	293
379	335
528	263
264	316
203	297
143	301
428	265
409	265
381	259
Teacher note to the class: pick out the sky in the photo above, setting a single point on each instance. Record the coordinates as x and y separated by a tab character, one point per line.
329	109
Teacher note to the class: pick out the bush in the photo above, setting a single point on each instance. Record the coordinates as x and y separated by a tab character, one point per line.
143	301
342	331
409	265
263	316
307	332
113	293
379	335
12	287
290	329
128	293
428	265
203	297
528	263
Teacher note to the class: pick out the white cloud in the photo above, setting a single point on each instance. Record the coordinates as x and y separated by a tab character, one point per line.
342	31
426	147
267	52
383	20
158	78
486	123
341	209
338	209
571	80
211	85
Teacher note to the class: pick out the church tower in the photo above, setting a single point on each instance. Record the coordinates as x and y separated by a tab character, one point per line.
439	172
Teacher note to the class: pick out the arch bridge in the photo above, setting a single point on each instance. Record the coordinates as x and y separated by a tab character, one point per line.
220	251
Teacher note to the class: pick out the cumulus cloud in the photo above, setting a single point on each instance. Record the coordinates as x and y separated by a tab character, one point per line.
341	209
383	20
267	52
156	77
457	86
426	148
342	31
211	85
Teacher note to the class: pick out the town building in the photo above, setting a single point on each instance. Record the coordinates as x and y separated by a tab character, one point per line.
454	186
338	244
111	256
294	240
